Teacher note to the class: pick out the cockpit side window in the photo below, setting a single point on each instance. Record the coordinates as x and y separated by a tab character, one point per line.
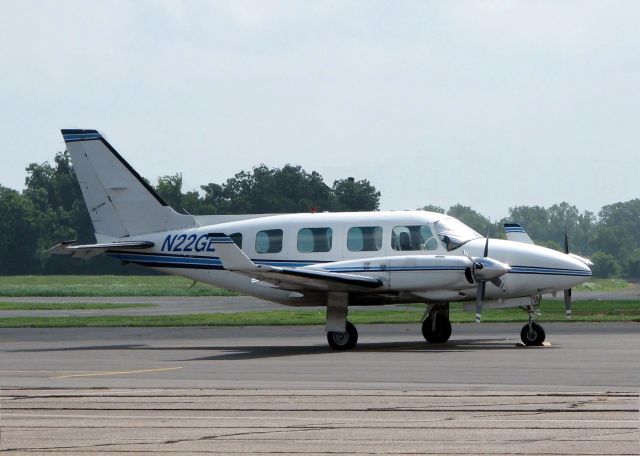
413	237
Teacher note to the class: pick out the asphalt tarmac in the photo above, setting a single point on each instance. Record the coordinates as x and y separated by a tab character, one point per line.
179	305
252	390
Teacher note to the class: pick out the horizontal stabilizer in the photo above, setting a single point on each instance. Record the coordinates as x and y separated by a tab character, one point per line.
232	258
303	278
90	250
517	233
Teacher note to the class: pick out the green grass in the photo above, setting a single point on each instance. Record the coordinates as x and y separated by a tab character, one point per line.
600	285
551	311
105	285
67	306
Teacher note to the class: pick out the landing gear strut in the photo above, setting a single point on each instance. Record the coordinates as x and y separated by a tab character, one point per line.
532	334
436	328
343	340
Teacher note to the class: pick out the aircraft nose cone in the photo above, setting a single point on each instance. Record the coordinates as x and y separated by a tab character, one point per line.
580	265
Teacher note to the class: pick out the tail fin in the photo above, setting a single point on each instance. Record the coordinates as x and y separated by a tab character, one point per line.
119	201
517	233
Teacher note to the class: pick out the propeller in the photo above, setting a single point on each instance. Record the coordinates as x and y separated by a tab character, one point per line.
567	292
485	270
482	284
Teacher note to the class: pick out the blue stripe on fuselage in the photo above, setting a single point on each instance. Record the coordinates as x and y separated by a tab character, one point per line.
169	260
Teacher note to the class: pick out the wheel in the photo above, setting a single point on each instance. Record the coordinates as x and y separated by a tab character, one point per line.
442	331
533	337
343	340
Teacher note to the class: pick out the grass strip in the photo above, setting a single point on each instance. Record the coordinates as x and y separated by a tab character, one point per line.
592	311
163	285
603	285
105	285
68	306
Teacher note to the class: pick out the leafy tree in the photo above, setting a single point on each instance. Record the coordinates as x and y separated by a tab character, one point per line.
352	195
276	190
213	198
618	230
51	209
470	218
534	219
432	208
605	265
579	227
19	233
632	264
61	213
170	189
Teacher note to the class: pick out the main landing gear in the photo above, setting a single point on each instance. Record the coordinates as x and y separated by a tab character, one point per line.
341	334
436	328
532	334
343	340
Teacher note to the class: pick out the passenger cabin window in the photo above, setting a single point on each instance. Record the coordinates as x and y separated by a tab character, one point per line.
237	238
269	241
364	238
314	240
413	237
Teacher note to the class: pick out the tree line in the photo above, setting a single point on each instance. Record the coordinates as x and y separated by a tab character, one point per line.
51	209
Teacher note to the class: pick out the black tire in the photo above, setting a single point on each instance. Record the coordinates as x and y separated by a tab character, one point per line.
442	331
341	341
534	337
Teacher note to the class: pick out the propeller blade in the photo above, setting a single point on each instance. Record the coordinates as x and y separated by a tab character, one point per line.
486	244
567	303
567	293
479	298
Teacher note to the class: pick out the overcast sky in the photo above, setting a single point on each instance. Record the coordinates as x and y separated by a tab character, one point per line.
488	104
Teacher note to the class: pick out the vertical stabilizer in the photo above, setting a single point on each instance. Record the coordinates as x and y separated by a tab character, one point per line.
517	233
119	201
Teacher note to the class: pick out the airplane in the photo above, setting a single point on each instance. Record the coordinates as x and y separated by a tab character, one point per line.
334	260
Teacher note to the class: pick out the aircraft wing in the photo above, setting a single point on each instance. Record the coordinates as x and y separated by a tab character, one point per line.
234	259
90	250
517	233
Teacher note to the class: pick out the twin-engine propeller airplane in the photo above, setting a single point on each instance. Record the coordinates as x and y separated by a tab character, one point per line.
319	259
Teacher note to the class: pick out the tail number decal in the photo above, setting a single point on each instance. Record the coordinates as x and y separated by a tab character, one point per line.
184	243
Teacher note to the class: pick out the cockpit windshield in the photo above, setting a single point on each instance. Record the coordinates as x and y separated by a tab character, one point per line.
454	233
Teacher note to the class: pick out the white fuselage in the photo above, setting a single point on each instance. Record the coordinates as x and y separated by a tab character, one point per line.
364	243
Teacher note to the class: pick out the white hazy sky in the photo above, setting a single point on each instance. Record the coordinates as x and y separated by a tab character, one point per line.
485	103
